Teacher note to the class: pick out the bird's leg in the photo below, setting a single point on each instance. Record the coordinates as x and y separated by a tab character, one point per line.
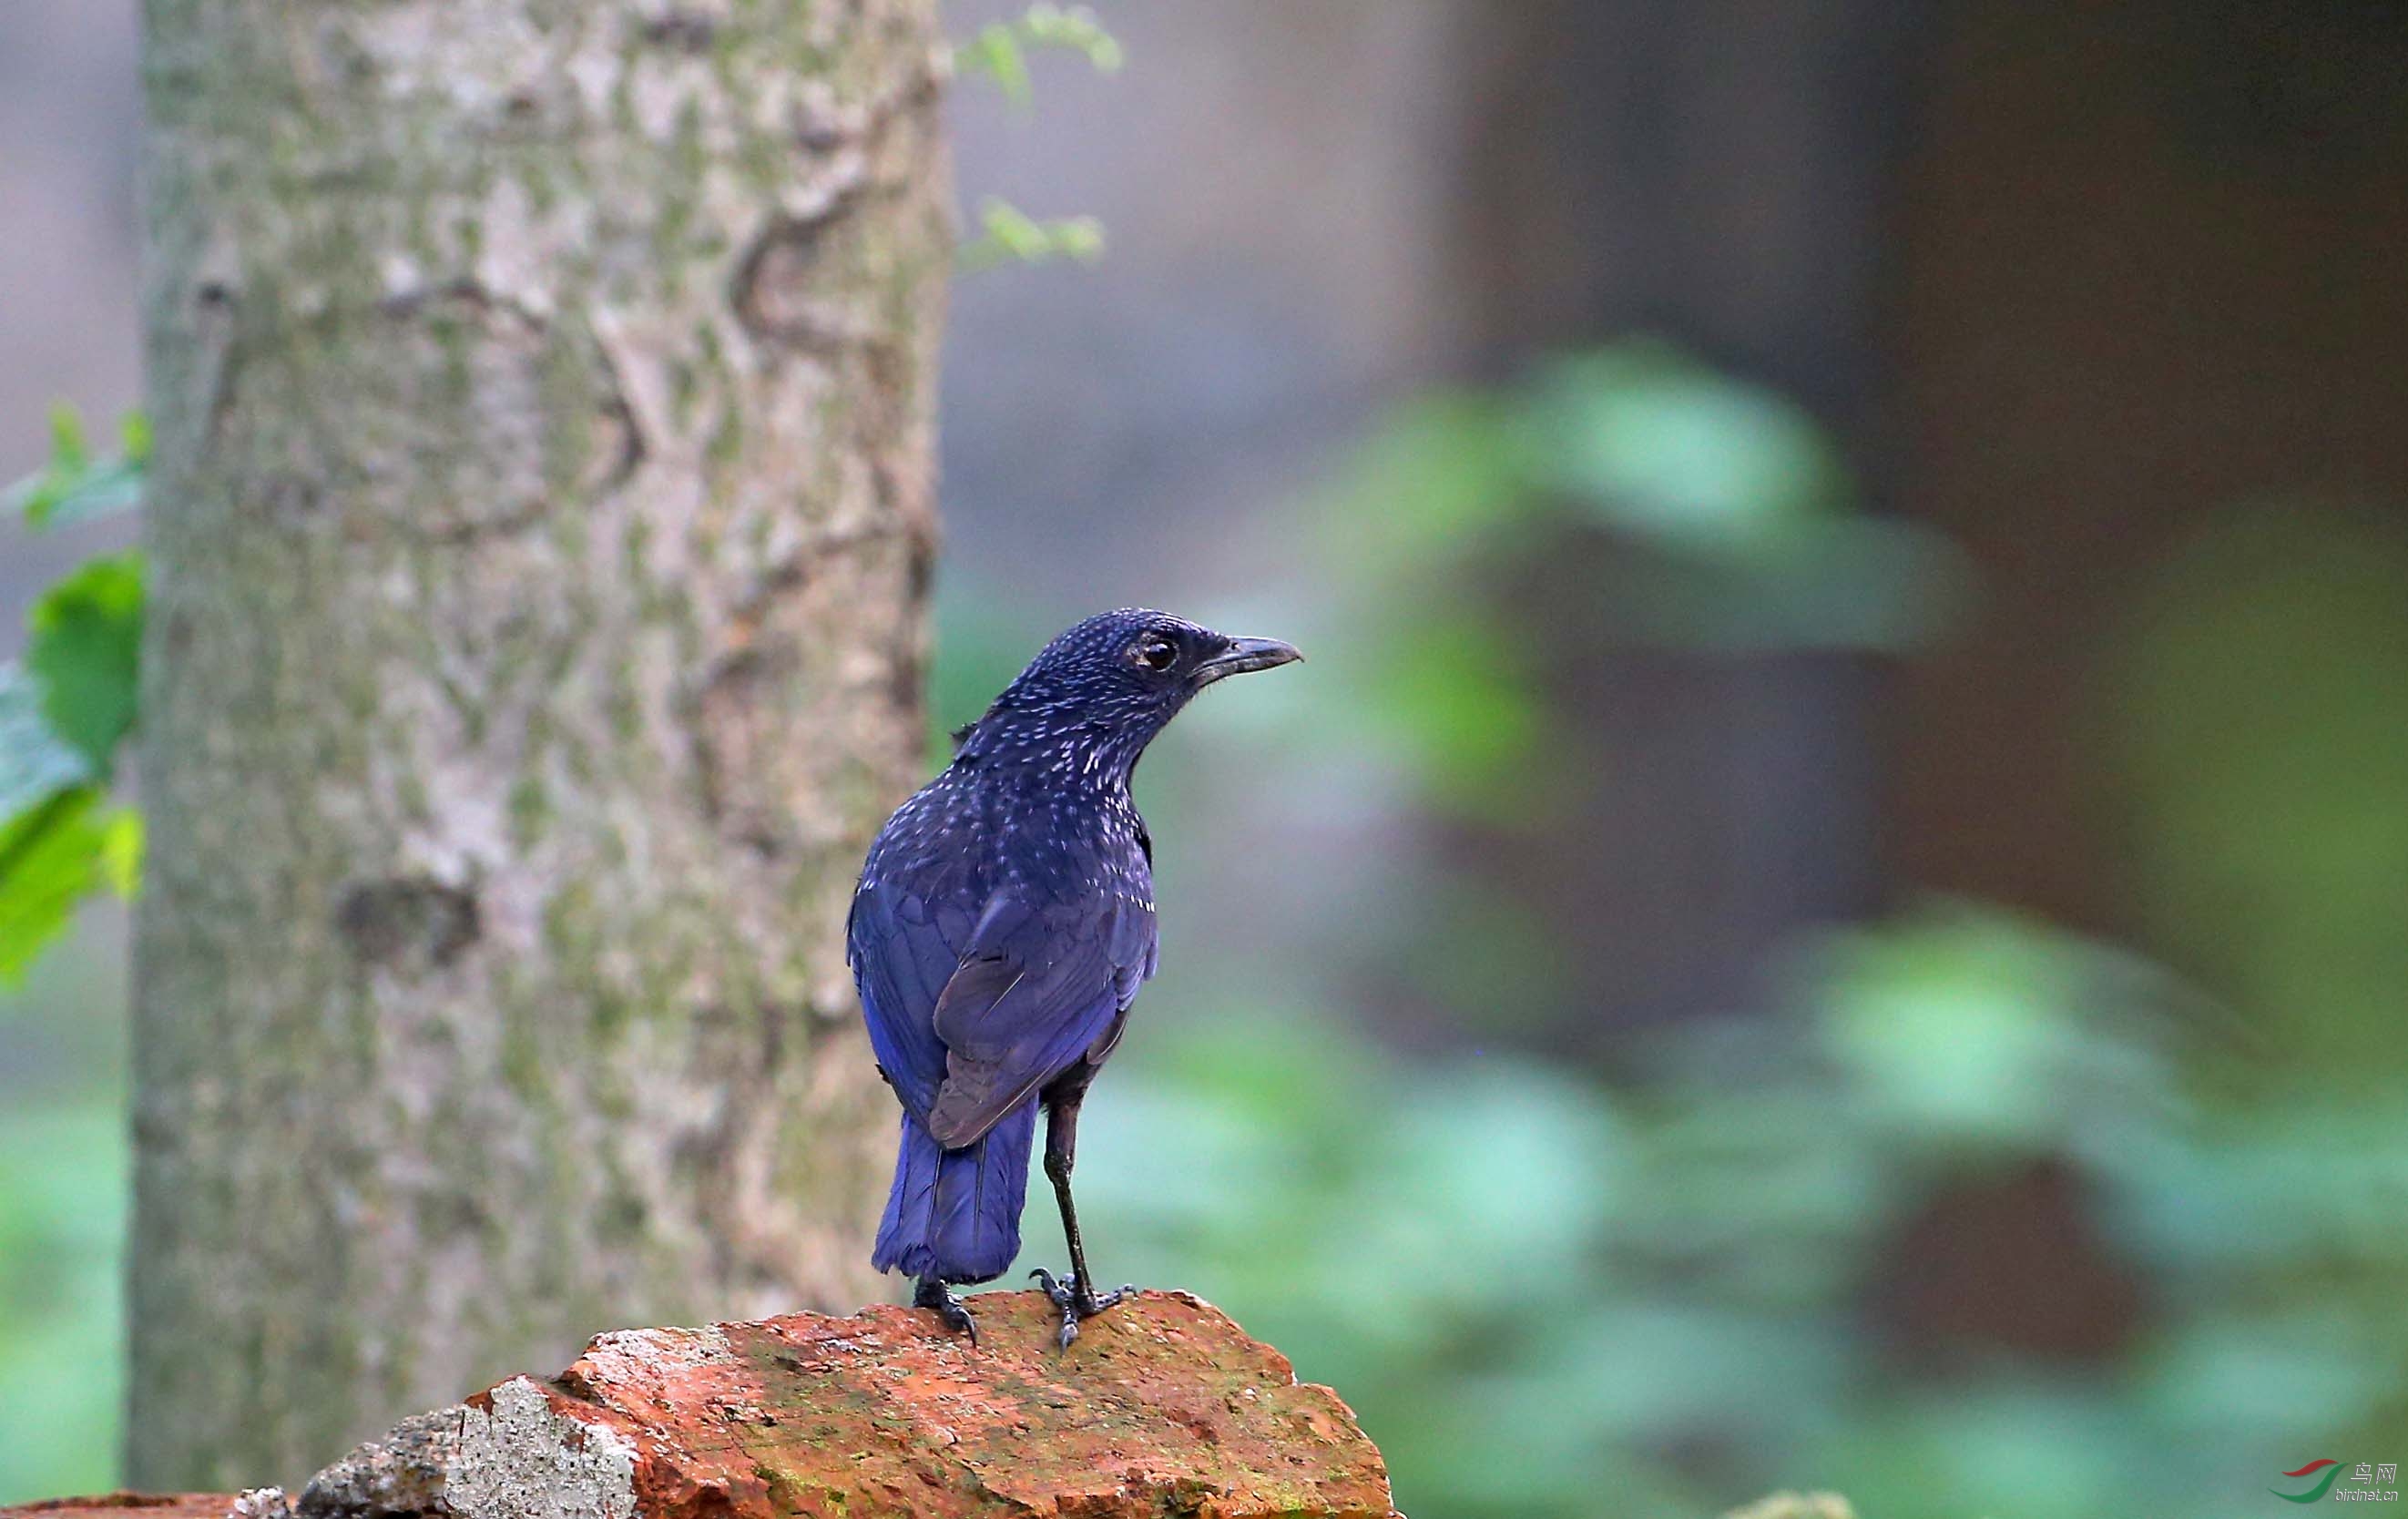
938	1300
1077	1297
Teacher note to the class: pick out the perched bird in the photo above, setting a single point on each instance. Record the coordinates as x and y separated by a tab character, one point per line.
1003	923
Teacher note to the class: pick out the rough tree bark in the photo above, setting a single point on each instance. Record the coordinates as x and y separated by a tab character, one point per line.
540	531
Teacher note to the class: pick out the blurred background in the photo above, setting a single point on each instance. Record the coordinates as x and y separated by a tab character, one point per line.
1832	908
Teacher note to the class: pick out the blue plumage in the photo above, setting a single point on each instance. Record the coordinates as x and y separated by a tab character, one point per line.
1004	921
954	1214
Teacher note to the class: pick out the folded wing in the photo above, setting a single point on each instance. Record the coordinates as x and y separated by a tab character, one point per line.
1039	988
903	951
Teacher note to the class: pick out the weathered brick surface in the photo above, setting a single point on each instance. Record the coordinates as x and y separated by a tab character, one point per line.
1163	1407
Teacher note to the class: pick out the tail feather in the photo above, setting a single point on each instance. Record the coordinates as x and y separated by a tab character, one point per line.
954	1214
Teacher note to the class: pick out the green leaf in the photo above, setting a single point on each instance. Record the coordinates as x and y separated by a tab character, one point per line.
121	853
1667	449
74	486
133	437
995	52
1011	235
1000	48
62	714
85	653
35	764
50	859
1075	28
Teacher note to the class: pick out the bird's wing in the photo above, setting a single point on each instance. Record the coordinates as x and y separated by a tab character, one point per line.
903	951
1038	988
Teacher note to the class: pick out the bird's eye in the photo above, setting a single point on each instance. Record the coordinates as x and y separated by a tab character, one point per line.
1154	653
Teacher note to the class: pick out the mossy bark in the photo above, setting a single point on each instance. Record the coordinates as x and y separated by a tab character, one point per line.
539	530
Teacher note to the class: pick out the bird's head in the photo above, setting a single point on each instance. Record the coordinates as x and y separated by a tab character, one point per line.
1099	693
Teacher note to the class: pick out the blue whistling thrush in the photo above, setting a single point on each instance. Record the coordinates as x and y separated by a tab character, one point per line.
1004	921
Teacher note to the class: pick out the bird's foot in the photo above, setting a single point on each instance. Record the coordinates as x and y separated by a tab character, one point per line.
1076	1300
938	1300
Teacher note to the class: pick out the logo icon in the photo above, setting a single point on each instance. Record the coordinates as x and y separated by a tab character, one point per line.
2330	1468
2369	1482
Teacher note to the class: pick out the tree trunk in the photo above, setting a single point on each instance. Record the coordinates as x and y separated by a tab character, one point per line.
540	532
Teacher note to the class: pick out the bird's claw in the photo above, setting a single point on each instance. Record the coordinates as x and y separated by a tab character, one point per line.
1075	1300
940	1300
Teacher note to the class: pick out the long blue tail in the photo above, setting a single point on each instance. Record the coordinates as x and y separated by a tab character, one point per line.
954	1214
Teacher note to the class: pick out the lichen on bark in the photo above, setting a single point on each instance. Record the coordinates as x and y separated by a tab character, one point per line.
540	529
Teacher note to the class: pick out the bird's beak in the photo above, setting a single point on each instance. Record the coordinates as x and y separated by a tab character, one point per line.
1244	655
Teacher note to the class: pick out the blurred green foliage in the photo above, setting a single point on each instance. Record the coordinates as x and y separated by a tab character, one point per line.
1007	234
2257	713
64	1180
51	858
1978	1216
1724	518
1739	521
1825	1244
76	484
1538	1289
1000	50
67	707
84	652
